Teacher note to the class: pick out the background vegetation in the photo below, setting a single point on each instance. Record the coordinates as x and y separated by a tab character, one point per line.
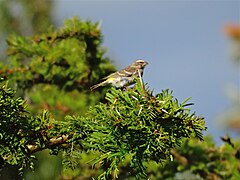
51	122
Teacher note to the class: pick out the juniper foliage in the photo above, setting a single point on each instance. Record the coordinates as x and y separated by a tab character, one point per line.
132	122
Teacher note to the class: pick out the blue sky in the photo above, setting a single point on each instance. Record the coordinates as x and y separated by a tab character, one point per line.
182	40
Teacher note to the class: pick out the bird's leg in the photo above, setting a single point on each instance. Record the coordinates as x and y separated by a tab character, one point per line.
124	88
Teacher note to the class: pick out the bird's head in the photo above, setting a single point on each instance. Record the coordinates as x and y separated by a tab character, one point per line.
140	63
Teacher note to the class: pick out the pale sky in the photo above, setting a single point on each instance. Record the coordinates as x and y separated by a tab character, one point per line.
183	41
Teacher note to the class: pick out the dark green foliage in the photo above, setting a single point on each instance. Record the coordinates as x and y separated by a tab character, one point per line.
136	122
133	123
203	159
70	58
16	129
54	70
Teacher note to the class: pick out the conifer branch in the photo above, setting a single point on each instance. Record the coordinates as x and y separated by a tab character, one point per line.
53	142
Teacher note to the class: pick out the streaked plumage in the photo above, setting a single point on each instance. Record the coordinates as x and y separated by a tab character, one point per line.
124	77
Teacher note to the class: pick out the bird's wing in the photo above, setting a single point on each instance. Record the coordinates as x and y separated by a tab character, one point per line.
126	72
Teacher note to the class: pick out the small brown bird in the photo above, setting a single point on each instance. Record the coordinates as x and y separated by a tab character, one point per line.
124	77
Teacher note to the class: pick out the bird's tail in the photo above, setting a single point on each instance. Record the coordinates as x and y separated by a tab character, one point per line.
97	85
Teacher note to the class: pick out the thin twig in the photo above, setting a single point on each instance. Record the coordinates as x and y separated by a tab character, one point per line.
140	77
54	141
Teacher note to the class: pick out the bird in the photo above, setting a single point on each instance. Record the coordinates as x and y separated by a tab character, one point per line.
124	77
